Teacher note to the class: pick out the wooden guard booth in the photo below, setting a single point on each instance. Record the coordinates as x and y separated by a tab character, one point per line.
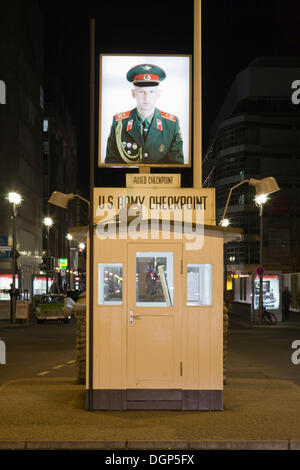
155	311
157	308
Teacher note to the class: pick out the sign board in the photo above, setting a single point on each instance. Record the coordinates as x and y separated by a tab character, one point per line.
153	180
4	309
22	310
271	292
63	263
173	204
5	246
260	270
4	240
4	253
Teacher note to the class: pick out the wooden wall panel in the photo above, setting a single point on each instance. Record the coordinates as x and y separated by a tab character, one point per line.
202	326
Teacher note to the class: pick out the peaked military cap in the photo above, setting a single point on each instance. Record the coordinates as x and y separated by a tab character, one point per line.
146	75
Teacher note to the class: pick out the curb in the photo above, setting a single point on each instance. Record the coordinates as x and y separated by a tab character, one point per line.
150	445
15	325
244	324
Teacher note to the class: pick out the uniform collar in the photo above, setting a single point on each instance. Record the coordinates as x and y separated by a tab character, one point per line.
141	119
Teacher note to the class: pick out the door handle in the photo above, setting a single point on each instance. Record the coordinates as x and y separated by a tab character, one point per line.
132	317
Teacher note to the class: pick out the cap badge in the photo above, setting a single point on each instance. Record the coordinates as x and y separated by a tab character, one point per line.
147	77
146	67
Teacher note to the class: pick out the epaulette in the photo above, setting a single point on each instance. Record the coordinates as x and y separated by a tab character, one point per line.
120	116
169	116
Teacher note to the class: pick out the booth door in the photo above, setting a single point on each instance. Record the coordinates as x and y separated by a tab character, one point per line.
154	316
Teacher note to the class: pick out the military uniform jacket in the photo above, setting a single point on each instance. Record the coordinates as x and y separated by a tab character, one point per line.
163	143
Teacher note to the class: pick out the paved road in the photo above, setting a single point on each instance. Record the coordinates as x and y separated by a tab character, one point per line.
47	349
262	353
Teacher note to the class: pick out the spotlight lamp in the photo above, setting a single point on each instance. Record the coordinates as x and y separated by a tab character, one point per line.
263	188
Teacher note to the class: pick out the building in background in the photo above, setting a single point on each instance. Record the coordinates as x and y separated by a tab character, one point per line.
37	149
21	145
257	134
59	170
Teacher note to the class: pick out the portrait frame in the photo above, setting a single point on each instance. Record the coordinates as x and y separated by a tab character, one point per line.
115	97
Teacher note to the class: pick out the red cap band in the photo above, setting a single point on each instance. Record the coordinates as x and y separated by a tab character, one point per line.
147	77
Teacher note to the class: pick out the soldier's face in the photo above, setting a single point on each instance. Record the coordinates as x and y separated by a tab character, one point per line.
146	97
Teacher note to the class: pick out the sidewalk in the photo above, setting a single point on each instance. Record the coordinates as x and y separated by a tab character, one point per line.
49	413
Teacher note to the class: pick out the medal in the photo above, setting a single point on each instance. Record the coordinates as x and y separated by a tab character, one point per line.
161	148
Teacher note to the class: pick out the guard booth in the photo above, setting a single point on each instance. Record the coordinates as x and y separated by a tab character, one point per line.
157	303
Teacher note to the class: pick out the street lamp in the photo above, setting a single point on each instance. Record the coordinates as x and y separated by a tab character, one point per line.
48	222
225	222
15	200
263	188
62	200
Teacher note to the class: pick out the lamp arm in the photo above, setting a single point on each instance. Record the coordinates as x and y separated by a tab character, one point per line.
82	198
229	196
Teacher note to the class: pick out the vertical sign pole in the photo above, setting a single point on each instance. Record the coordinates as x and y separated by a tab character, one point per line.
91	216
13	286
47	260
261	276
197	98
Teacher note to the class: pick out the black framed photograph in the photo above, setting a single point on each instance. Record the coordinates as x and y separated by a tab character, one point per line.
145	110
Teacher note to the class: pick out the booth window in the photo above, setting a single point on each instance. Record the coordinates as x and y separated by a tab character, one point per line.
199	284
110	283
154	279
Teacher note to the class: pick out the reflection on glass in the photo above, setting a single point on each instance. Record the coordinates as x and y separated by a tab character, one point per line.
154	279
199	282
110	286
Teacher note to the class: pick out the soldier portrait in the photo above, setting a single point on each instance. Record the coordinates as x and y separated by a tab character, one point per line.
144	133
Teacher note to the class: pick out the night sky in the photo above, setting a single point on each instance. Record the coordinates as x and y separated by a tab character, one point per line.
234	33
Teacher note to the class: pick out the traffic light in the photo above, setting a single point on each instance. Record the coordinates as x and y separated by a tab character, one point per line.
51	263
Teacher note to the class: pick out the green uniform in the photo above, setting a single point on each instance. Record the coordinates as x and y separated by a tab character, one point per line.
127	144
